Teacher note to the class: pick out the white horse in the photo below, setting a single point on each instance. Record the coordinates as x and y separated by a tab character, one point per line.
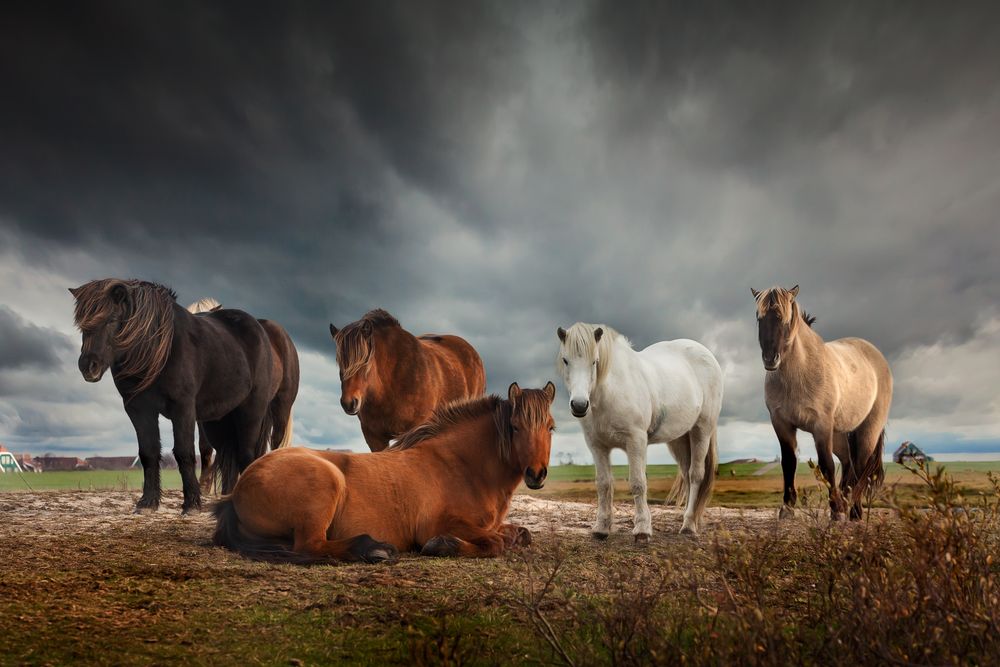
669	392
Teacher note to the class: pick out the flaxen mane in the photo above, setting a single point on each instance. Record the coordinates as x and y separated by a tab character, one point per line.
532	406
782	301
581	341
354	341
147	326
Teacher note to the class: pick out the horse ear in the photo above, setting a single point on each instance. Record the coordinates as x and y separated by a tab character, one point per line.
755	292
550	391
366	328
562	334
333	331
794	291
513	392
119	293
598	332
75	291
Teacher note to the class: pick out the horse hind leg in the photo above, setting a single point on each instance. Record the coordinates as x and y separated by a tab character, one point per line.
680	450
358	549
700	477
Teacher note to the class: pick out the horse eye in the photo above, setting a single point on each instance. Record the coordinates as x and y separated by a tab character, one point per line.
565	361
551	429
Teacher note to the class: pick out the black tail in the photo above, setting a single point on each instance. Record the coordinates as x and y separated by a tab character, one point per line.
228	463
228	534
873	471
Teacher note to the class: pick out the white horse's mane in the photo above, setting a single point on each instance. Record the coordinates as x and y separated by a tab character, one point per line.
204	305
580	341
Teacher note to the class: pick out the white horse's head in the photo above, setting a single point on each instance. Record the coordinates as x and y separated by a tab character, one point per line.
584	355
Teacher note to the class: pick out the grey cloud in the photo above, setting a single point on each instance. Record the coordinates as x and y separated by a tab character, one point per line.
24	345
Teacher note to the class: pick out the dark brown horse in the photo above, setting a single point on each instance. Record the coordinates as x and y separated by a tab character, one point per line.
285	388
393	380
444	489
217	369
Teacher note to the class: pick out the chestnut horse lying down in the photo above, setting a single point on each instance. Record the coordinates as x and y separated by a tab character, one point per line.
444	489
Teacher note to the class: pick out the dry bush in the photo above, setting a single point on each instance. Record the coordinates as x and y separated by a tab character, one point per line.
914	586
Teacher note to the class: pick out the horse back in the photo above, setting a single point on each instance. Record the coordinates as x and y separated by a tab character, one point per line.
233	347
460	367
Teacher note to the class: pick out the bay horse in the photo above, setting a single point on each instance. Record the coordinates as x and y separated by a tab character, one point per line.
840	392
216	368
393	380
669	392
444	489
286	361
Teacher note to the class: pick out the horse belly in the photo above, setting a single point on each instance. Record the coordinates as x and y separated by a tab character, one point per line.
858	389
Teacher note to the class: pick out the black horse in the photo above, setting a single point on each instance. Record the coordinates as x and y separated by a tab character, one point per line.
220	369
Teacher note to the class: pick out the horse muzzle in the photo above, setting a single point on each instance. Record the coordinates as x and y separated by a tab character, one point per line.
535	480
772	364
579	408
351	407
92	369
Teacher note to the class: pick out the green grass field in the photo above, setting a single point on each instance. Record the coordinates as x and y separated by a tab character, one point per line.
737	485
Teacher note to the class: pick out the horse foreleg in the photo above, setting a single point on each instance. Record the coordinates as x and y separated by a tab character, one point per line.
466	540
514	535
789	462
605	480
147	431
636	449
184	427
824	452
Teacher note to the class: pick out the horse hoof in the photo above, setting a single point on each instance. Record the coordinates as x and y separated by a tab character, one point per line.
641	539
687	529
522	538
194	509
442	545
381	553
145	509
786	512
838	516
599	536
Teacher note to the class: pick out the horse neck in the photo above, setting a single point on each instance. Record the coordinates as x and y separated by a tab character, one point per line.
397	359
474	446
621	362
806	352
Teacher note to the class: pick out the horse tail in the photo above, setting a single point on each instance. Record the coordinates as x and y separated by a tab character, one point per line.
225	468
874	470
286	438
264	439
708	482
679	491
228	535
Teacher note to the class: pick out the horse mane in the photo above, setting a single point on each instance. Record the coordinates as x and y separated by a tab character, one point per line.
147	329
580	341
783	301
354	340
533	406
204	305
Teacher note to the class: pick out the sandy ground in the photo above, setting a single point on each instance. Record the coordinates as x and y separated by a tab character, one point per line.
95	512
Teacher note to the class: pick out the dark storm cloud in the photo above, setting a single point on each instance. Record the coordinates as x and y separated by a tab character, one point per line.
497	170
24	345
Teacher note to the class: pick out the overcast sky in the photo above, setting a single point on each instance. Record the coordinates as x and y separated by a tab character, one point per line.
498	170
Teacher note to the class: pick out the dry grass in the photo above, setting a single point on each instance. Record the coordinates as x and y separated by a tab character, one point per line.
86	581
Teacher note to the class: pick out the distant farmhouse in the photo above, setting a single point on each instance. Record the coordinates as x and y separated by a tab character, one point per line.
50	463
111	462
11	462
910	453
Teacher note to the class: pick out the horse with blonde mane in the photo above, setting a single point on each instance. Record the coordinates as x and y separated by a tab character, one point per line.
285	389
444	489
393	380
217	368
840	392
670	392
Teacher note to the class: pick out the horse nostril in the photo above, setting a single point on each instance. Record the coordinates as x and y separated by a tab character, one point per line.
579	407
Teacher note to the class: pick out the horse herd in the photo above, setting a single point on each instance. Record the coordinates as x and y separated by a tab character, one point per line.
446	459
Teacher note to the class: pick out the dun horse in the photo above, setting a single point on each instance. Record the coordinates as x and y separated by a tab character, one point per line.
393	380
669	392
286	364
217	368
443	488
839	391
